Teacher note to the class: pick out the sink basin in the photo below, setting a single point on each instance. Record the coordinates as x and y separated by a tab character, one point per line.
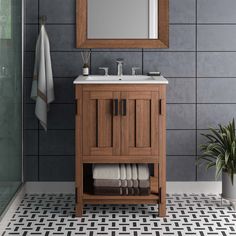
124	79
116	77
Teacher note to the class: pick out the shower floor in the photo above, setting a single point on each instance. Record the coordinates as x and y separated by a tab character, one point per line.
7	191
187	214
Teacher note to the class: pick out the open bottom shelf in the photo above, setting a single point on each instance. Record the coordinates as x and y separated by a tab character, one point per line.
152	198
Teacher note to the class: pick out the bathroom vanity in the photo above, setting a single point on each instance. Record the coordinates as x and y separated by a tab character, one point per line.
120	119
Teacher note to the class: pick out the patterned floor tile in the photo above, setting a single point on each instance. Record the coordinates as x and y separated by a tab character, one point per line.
187	214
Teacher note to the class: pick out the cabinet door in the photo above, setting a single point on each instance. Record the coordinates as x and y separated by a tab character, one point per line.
101	123
139	122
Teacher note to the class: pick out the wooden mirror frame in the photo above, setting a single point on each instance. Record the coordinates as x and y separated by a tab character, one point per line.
83	42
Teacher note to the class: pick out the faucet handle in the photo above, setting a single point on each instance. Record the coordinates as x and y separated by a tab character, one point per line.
105	69
120	60
134	70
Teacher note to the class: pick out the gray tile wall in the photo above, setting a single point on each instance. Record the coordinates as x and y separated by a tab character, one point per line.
200	65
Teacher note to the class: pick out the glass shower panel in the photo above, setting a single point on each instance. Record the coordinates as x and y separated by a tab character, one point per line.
10	99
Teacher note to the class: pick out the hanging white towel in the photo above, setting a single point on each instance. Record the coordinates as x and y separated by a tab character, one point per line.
42	87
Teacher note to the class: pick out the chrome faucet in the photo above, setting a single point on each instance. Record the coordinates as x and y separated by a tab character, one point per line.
120	63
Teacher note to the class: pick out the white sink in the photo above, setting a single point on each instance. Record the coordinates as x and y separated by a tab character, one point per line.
124	79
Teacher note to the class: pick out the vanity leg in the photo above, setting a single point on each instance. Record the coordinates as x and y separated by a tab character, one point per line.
162	209
79	209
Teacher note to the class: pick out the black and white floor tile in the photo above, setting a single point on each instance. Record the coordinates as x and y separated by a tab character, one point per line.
187	214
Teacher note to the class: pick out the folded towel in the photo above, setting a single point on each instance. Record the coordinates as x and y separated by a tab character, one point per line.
122	172
134	173
135	183
42	90
130	183
123	175
144	183
106	171
144	191
128	172
136	191
109	191
130	191
117	191
143	172
129	176
107	182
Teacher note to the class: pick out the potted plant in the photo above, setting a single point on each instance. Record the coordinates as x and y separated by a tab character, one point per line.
220	152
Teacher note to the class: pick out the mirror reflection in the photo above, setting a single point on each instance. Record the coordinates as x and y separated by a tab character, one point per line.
122	19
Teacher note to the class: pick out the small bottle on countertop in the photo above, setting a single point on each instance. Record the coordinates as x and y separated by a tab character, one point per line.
86	69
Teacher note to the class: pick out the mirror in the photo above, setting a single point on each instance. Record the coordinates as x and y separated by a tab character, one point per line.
141	24
122	23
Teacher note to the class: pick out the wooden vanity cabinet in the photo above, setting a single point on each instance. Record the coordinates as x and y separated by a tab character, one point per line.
121	124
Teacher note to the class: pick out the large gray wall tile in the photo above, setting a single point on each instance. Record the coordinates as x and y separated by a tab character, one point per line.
108	59
216	90
29	64
31	34
116	49
181	116
61	116
66	64
205	175
27	90
210	115
31	168
181	90
170	64
58	11
181	142
31	142
53	168
216	11
64	90
31	11
182	11
57	142
30	120
216	38
216	64
62	37
202	173
201	140
181	38
177	171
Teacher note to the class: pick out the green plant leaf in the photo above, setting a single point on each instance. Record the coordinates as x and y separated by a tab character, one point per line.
220	149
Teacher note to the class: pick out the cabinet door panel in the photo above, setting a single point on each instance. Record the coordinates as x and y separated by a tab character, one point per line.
101	129
140	124
143	123
104	122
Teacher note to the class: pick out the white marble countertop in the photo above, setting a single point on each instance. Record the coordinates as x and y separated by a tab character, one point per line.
124	79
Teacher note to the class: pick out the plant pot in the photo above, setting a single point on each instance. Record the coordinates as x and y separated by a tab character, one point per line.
229	189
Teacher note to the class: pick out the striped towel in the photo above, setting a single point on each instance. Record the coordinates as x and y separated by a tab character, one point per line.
42	87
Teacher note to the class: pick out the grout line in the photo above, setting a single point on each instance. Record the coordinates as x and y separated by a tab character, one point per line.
193	129
144	50
69	155
196	92
167	77
142	61
185	23
38	120
168	103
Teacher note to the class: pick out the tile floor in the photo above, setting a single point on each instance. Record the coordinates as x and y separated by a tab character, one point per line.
187	214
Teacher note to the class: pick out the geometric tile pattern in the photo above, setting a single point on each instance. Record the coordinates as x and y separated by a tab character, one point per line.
187	214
